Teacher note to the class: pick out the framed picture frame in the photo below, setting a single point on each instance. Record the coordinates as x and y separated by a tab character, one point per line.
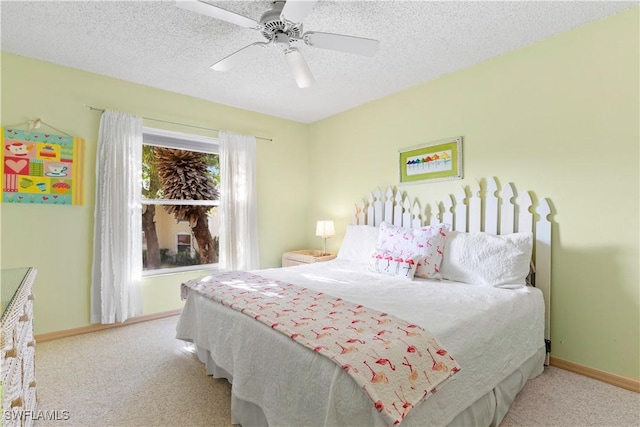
431	162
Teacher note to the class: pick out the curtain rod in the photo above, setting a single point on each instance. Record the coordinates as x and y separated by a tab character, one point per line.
175	123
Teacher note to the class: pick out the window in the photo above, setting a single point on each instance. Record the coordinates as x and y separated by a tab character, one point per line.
183	243
180	174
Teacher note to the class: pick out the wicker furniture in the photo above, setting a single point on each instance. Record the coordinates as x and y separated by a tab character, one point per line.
17	346
305	257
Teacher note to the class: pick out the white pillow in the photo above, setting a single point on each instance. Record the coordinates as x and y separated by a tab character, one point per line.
358	243
426	241
386	262
487	259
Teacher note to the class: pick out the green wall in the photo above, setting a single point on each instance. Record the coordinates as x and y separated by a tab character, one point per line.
560	118
58	240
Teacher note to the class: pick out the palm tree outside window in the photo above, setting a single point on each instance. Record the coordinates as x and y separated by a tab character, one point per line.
180	196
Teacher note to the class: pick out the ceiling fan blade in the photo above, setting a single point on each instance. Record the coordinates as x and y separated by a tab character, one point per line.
296	10
299	68
237	58
216	12
349	44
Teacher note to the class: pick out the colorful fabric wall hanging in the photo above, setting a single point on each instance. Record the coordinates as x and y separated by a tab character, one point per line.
41	168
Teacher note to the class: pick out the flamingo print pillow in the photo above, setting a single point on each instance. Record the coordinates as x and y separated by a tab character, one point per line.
428	242
393	264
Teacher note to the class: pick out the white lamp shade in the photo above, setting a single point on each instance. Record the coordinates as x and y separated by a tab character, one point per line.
299	68
325	229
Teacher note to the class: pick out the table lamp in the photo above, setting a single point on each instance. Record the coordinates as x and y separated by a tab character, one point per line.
325	229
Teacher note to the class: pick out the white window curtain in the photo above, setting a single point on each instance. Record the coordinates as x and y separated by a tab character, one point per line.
238	203
117	246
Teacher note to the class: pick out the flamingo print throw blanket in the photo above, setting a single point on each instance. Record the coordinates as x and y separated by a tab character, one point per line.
396	363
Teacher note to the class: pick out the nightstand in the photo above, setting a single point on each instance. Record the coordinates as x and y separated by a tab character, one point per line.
305	257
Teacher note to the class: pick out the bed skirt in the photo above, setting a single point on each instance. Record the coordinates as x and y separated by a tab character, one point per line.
489	410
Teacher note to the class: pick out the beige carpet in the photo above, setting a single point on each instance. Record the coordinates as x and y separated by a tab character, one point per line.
140	375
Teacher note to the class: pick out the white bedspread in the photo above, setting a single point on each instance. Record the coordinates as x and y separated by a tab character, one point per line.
489	331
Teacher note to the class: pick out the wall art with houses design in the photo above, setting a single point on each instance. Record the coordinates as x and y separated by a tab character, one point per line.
41	168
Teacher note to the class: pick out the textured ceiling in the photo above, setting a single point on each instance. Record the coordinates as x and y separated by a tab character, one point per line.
157	44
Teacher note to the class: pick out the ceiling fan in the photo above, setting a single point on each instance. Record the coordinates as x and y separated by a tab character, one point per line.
282	27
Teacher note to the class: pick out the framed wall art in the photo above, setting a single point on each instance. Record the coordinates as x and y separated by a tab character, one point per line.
435	161
41	168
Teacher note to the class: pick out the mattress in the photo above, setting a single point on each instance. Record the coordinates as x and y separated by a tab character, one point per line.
490	332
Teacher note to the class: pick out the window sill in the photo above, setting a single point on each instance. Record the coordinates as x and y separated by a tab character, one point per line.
179	270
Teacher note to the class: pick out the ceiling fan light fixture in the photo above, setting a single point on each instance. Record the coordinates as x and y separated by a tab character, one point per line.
281	40
299	68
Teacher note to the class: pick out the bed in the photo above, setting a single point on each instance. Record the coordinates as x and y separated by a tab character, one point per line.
497	329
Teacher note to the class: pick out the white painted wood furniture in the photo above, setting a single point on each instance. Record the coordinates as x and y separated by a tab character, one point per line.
487	207
305	257
17	346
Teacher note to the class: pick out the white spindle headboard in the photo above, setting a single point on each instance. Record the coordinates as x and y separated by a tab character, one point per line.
495	210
